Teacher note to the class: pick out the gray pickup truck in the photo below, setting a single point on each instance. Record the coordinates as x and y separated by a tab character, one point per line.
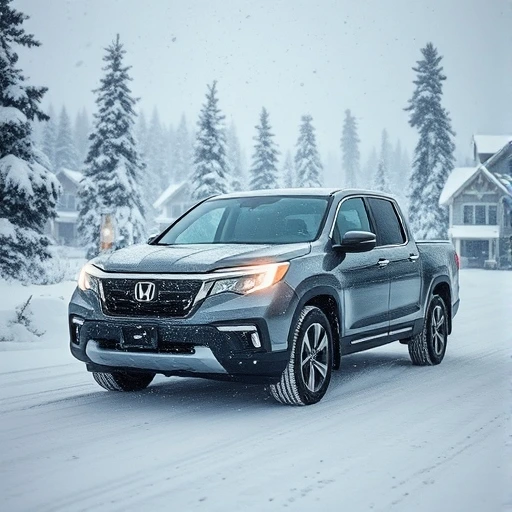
266	286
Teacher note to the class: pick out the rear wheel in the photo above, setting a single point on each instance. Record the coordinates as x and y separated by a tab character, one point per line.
123	381
429	346
306	377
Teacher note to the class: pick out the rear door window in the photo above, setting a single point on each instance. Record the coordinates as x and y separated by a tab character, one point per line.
387	223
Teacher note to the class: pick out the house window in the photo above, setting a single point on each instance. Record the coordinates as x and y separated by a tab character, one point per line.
480	214
468	214
492	215
67	202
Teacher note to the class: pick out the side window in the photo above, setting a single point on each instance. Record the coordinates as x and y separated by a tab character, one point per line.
352	216
388	226
203	230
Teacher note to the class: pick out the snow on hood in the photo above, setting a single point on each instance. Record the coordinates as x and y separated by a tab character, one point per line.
196	258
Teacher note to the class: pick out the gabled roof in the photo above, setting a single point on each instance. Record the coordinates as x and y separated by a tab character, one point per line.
457	179
490	144
462	175
170	191
74	176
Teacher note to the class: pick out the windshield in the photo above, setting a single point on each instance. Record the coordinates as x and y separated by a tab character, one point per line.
252	220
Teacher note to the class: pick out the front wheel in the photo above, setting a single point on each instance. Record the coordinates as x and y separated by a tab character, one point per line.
123	381
429	346
306	377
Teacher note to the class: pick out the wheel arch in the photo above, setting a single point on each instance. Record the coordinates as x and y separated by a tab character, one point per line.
441	286
325	299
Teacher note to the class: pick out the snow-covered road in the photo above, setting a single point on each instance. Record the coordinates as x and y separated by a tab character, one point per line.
387	436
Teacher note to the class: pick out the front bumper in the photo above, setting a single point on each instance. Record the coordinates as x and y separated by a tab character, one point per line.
191	346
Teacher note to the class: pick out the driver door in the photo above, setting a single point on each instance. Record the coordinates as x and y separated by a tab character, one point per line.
364	280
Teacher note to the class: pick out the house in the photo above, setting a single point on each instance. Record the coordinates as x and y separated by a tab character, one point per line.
173	202
480	204
63	227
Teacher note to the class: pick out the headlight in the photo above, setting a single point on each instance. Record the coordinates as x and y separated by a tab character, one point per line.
252	279
85	280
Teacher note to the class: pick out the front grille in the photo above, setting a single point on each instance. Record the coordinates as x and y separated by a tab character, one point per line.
172	298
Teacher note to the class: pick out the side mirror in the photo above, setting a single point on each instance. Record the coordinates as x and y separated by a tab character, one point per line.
356	241
152	237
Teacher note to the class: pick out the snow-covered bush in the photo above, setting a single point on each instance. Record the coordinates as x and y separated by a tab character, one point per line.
18	325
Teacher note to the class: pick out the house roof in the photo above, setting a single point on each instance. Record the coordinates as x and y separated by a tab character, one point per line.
170	191
461	175
74	176
490	144
457	179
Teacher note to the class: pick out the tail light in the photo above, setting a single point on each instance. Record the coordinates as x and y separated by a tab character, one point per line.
457	261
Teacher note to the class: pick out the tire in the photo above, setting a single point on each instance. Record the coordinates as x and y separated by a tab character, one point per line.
123	381
306	377
429	346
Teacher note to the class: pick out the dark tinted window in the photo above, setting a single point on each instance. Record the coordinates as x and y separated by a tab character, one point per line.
389	229
352	216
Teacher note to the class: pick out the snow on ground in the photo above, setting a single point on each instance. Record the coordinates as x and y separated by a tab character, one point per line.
387	437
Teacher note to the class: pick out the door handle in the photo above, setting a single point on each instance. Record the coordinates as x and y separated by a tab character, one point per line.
413	257
383	263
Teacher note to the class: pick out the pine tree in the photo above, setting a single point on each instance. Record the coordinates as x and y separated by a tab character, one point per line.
307	160
28	191
370	169
434	154
113	168
211	172
264	173
49	142
350	150
235	159
288	171
182	152
157	176
381	182
81	135
66	156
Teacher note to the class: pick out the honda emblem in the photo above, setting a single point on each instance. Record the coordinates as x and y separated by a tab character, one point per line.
145	291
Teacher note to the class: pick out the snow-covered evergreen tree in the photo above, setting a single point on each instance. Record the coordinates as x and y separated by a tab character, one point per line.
113	168
288	171
182	152
81	135
264	173
350	150
235	159
308	165
382	181
28	191
66	156
211	171
434	154
49	141
158	176
370	169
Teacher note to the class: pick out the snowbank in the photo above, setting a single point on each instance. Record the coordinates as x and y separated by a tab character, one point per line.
47	311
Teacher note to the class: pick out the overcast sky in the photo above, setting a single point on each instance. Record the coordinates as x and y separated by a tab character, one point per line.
291	56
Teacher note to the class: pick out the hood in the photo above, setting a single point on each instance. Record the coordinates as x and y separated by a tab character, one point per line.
195	258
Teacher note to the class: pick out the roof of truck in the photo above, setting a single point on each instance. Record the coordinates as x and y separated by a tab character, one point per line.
320	191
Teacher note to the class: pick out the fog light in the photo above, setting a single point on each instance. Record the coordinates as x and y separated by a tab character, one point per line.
76	325
255	337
